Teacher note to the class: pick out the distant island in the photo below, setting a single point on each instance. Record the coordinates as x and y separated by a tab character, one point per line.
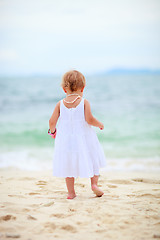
129	71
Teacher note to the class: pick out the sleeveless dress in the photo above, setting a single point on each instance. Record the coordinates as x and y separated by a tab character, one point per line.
77	151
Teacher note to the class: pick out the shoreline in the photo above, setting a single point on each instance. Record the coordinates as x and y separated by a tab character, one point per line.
34	206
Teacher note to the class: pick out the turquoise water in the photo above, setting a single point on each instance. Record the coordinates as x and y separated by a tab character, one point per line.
128	105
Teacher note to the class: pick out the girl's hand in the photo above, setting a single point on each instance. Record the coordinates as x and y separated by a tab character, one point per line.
53	135
101	126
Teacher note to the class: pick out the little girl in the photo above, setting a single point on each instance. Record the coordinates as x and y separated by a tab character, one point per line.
77	152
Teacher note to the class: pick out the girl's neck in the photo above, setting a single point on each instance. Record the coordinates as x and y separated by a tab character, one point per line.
71	97
74	93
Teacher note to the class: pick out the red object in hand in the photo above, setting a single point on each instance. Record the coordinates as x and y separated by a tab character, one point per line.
53	135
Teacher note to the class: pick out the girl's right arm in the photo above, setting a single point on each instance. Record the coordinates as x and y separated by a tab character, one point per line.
54	118
89	117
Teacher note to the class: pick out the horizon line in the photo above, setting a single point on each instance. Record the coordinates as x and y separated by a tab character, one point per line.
101	72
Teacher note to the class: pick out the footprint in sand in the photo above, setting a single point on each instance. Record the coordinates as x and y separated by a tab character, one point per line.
36	205
157	224
120	181
69	228
31	217
152	192
12	235
145	180
58	215
155	216
72	210
41	183
26	210
156	236
149	195
50	227
33	193
48	204
111	186
80	223
7	218
114	196
144	195
18	196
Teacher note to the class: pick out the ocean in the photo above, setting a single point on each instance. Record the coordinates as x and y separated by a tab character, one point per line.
127	104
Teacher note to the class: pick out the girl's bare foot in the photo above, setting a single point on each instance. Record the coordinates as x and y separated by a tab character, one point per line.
97	190
71	196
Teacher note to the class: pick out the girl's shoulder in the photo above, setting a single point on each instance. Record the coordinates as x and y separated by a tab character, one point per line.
86	102
58	103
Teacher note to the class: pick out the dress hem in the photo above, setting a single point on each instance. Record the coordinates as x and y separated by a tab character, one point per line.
76	176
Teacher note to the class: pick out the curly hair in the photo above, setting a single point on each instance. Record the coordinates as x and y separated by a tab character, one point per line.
73	80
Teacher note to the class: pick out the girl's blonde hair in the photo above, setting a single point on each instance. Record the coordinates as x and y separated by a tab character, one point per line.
73	80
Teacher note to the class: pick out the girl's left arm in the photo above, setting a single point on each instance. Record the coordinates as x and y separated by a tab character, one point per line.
54	118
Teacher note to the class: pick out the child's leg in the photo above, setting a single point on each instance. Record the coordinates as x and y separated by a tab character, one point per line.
95	188
70	187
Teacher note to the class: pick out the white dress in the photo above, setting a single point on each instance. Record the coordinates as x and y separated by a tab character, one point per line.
77	151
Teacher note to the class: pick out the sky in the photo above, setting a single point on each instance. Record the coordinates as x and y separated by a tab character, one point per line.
53	36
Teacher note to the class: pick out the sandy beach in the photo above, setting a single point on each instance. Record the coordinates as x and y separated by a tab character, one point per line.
33	206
